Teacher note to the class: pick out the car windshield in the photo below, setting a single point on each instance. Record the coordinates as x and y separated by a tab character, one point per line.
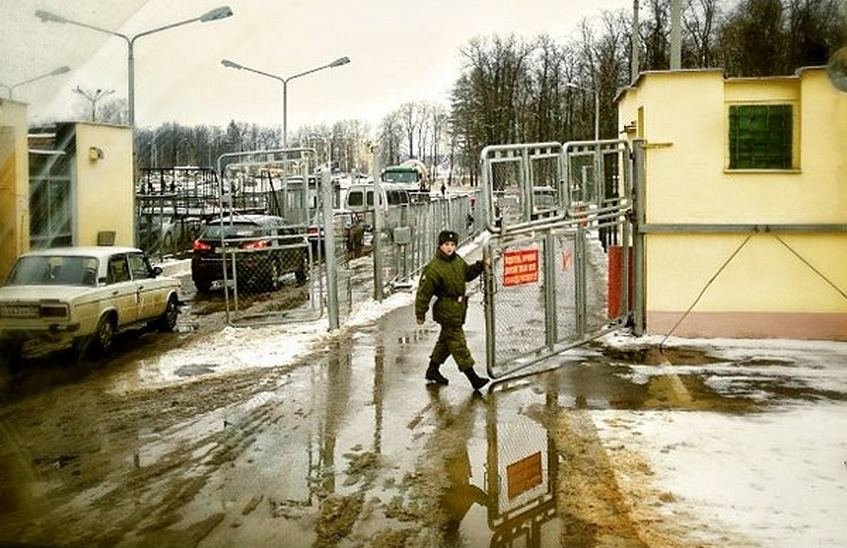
400	176
234	230
54	270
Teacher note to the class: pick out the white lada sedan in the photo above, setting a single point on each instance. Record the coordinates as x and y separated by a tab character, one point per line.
83	296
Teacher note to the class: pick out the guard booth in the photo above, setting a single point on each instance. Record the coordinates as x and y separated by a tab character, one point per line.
75	168
555	211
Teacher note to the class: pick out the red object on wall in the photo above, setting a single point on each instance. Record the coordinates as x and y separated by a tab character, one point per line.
520	266
614	289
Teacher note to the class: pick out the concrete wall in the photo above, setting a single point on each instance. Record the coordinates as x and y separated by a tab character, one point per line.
14	184
767	289
104	188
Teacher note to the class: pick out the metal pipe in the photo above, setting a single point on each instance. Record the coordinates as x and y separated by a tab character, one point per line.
329	252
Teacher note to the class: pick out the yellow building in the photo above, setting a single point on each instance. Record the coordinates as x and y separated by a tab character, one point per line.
81	188
14	184
744	200
70	184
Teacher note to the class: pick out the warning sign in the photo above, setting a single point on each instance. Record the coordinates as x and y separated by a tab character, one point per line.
523	475
520	266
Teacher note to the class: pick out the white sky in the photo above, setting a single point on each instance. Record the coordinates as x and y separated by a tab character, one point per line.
400	50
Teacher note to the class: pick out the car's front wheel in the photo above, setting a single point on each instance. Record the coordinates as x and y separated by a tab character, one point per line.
167	321
104	336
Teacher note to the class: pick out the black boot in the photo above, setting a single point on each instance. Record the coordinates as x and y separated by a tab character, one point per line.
476	381
432	374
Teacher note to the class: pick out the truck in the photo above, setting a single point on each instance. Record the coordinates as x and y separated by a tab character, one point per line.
412	176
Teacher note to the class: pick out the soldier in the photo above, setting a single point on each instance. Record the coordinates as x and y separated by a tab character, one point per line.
445	277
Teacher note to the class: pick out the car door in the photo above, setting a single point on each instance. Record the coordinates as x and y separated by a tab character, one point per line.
122	291
151	297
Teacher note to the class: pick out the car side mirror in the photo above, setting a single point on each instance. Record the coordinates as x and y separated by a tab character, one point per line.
157	271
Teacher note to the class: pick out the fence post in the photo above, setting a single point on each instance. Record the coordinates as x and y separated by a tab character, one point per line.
549	278
637	236
329	250
376	241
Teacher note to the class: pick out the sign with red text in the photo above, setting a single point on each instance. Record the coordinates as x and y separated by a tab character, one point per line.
523	475
520	266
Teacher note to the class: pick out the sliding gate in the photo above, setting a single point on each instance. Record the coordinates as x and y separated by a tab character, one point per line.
559	215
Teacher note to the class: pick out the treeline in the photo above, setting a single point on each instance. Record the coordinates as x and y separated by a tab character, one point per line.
343	144
518	90
514	89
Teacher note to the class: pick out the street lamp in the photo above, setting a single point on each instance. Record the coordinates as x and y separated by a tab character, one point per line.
337	63
54	72
596	106
93	97
213	15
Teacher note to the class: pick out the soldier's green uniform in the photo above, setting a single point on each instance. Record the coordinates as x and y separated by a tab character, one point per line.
445	278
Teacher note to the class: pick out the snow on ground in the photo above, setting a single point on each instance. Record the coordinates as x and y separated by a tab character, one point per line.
774	478
777	477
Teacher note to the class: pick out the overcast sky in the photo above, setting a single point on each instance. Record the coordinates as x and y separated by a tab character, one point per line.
400	50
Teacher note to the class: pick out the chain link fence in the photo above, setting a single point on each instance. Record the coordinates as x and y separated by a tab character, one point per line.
409	239
555	211
259	250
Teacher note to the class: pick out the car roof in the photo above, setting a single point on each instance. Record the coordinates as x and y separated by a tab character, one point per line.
249	218
82	251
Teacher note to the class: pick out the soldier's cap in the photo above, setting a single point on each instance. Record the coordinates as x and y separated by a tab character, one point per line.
448	236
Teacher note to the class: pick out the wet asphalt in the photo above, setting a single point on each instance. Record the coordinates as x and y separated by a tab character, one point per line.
346	446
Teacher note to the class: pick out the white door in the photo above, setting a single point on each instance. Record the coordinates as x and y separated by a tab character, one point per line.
122	290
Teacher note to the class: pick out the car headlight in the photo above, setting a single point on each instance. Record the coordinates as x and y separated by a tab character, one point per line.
59	311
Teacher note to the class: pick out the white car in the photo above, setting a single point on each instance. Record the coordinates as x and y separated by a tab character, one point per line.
81	295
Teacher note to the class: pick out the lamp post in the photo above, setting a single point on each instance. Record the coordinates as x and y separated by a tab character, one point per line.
179	145
596	106
337	63
213	15
93	97
54	72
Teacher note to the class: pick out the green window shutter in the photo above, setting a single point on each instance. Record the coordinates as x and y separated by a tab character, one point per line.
760	137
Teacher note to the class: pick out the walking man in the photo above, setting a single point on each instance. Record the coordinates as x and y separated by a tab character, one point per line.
445	277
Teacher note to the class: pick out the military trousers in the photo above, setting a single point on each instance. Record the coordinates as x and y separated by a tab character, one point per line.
451	342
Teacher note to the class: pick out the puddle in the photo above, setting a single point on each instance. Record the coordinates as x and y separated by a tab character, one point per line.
195	369
656	356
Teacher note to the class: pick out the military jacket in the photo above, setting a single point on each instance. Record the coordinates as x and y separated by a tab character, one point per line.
445	278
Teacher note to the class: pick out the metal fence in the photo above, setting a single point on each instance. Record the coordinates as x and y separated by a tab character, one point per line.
409	237
259	251
554	245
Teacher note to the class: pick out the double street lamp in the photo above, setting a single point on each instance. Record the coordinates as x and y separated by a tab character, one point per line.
55	72
93	97
596	106
213	15
337	63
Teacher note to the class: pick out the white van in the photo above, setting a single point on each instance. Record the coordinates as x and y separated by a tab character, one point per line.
360	199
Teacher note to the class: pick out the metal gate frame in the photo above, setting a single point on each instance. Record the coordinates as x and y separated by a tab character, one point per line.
319	294
572	217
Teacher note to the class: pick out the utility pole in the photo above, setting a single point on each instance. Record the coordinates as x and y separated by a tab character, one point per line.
635	43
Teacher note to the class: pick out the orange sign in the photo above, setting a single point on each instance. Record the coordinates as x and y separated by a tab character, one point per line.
523	475
520	267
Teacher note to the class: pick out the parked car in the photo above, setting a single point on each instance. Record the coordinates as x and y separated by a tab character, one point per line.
82	296
264	247
166	233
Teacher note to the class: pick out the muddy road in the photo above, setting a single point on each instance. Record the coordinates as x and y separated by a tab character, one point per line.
344	446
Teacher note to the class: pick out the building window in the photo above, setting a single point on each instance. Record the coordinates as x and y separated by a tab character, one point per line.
49	201
761	137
